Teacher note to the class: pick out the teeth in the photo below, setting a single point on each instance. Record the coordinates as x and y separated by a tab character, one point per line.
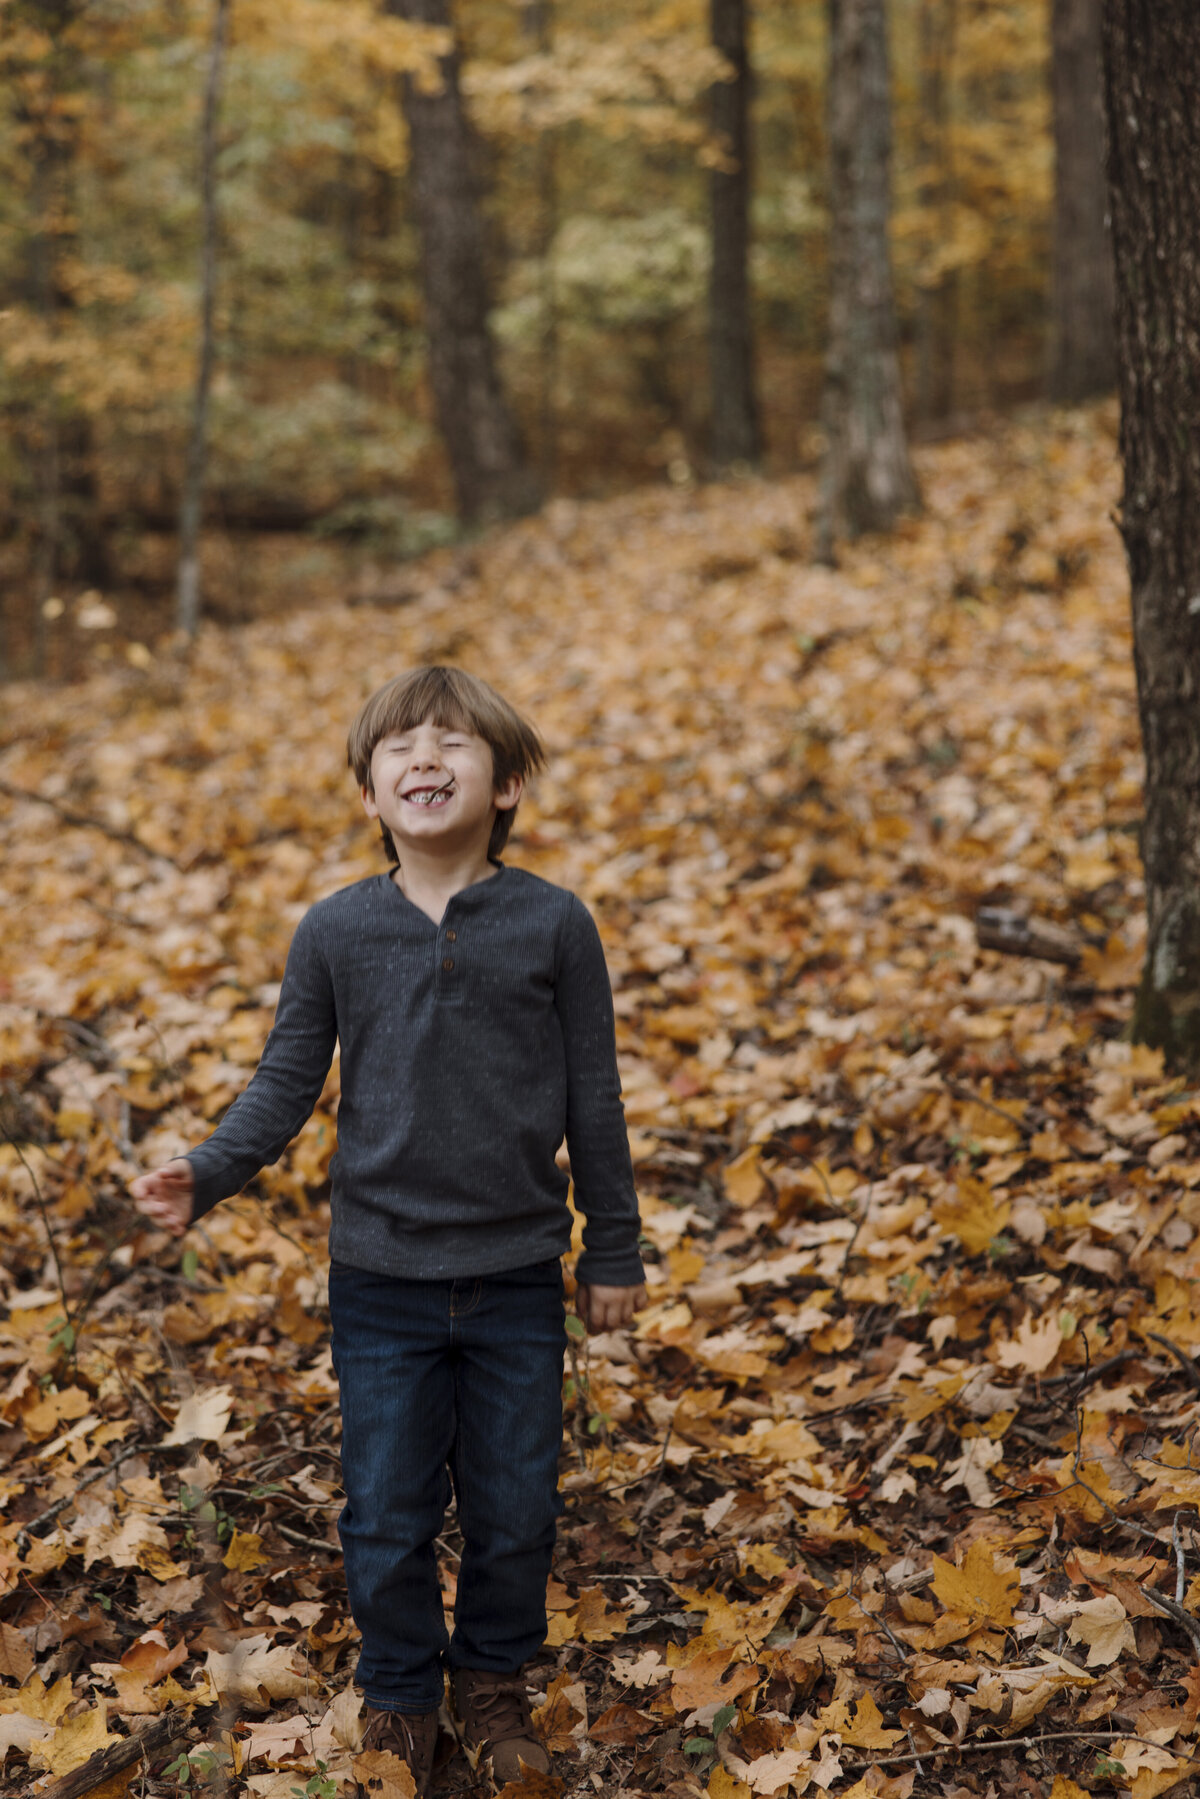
427	796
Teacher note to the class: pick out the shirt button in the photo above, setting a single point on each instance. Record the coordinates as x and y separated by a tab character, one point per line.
451	936
448	964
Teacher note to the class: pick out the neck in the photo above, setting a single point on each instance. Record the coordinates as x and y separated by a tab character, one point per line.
430	882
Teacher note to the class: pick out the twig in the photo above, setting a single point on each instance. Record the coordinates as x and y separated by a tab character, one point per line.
1175	1611
1185	1361
41	1205
85	822
35	1526
1180	1564
297	1536
1051	1736
1090	1374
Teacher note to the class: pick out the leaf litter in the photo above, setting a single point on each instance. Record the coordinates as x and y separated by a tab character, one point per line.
894	1486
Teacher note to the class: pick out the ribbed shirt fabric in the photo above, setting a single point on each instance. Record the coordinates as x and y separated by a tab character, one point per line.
469	1050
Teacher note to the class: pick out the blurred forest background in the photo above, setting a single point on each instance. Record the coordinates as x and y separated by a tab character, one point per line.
607	203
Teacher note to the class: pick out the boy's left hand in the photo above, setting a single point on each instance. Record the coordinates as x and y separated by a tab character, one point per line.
608	1308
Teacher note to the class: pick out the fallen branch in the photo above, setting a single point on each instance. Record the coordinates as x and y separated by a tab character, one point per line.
36	1525
298	1536
998	928
1185	1361
154	1739
977	1748
1176	1612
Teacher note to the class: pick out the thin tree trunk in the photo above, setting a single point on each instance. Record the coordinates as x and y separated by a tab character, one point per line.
867	478
1151	54
1082	357
937	299
491	473
539	25
187	592
735	425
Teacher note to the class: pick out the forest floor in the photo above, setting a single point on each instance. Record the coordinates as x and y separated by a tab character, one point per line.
892	1488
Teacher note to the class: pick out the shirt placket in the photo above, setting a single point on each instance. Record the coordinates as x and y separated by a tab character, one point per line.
449	961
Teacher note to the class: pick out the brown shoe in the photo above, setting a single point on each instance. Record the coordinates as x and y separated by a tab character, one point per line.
410	1735
493	1710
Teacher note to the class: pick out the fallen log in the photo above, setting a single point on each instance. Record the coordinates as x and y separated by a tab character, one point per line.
163	1734
999	928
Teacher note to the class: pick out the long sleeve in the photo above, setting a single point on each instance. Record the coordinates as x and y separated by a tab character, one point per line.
285	1087
597	1141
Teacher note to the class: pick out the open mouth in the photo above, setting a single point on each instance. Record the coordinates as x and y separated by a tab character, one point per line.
429	796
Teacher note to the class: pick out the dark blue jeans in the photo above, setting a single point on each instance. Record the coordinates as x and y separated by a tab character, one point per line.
446	1380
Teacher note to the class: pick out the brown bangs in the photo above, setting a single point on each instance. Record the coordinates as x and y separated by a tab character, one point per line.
453	700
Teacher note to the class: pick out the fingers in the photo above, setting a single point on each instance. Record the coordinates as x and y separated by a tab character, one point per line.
165	1196
608	1308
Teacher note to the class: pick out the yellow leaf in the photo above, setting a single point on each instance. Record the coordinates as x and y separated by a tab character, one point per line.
743	1178
722	1785
77	1739
383	1775
245	1552
973	1215
977	1589
1067	1789
863	1724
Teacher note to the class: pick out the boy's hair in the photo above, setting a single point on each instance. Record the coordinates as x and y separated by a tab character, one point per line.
454	701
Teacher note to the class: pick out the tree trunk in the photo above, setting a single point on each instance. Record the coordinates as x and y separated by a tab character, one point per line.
187	592
937	297
867	477
1151	54
1082	361
491	474
735	427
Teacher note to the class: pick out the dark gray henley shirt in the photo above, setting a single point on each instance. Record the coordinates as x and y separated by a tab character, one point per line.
470	1049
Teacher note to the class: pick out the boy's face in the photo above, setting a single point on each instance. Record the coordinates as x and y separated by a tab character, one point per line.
434	789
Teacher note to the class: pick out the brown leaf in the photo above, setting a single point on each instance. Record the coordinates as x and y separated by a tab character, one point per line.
621	1725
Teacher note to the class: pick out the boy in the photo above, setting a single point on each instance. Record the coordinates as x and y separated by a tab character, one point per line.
474	1013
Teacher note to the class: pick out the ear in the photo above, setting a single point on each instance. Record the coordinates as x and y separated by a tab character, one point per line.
369	803
505	798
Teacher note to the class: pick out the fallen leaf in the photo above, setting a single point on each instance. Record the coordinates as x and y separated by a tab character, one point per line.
202	1418
978	1589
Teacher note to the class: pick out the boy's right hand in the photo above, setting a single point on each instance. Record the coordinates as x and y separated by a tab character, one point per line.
166	1196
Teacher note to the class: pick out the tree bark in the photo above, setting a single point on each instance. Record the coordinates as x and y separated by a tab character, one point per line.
1082	356
937	299
735	424
187	592
867	478
492	476
1151	54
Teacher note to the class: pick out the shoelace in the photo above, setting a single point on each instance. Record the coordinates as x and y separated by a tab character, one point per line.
500	1713
402	1727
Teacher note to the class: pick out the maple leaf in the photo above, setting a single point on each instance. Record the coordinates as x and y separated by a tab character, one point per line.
977	1589
1034	1346
1104	1626
561	1719
251	1669
202	1417
709	1678
774	1772
383	1775
244	1552
75	1740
